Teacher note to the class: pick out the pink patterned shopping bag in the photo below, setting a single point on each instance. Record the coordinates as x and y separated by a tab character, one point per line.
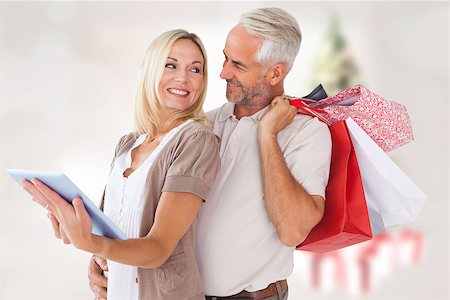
385	121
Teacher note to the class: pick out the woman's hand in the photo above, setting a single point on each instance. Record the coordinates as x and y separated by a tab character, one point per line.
279	115
71	223
57	228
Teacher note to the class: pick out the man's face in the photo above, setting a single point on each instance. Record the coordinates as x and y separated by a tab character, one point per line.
246	80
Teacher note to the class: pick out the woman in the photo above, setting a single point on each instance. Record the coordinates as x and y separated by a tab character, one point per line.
159	178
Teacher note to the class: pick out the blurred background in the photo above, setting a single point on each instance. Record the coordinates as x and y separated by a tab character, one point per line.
68	72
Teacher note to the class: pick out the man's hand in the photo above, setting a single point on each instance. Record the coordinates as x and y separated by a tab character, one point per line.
279	115
98	282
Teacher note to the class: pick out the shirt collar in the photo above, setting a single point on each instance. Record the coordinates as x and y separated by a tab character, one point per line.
228	112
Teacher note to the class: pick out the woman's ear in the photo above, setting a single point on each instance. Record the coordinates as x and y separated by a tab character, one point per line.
276	74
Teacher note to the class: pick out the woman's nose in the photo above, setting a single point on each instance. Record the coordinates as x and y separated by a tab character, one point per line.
181	76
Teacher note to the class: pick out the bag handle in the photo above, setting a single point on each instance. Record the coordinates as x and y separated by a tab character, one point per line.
303	108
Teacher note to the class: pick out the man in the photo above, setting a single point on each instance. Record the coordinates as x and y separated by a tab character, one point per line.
275	166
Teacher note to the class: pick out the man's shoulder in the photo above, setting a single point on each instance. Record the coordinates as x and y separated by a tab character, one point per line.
304	121
213	112
306	127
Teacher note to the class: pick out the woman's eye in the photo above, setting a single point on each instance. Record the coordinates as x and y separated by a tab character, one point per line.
170	66
195	70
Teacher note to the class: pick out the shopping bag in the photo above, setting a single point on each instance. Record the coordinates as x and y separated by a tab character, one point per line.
387	188
318	93
386	122
346	220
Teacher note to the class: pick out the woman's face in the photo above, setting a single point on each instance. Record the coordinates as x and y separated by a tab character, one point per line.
182	80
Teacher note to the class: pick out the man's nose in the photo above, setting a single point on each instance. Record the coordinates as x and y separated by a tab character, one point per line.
226	72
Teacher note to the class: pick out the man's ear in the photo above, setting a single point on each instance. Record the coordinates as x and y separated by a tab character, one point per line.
276	74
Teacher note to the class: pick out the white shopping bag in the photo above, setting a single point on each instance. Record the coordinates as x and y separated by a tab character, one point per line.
388	190
376	220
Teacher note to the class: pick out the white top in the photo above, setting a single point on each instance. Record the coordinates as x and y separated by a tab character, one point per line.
124	205
237	245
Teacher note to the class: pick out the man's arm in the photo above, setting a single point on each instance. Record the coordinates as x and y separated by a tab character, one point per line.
291	209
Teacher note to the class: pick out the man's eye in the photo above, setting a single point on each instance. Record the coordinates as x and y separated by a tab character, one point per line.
170	66
238	66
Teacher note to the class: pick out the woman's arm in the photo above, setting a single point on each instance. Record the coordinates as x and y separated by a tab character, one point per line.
175	213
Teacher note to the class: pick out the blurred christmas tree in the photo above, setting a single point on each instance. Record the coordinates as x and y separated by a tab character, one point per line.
334	67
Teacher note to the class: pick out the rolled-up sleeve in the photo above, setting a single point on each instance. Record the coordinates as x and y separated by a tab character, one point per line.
195	166
308	157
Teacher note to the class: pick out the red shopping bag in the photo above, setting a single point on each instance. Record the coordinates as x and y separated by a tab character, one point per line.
385	121
346	220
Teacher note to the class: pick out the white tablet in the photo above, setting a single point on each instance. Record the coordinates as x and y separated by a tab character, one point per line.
61	184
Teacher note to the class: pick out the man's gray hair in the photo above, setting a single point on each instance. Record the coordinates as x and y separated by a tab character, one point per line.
280	34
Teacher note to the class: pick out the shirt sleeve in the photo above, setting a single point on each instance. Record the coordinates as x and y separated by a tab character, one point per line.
195	166
308	156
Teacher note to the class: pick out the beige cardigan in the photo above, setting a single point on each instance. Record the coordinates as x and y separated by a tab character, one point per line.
189	162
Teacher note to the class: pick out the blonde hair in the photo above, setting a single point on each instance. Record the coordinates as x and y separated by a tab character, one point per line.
148	101
280	33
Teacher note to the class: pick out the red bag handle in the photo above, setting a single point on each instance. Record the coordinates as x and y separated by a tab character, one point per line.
305	109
